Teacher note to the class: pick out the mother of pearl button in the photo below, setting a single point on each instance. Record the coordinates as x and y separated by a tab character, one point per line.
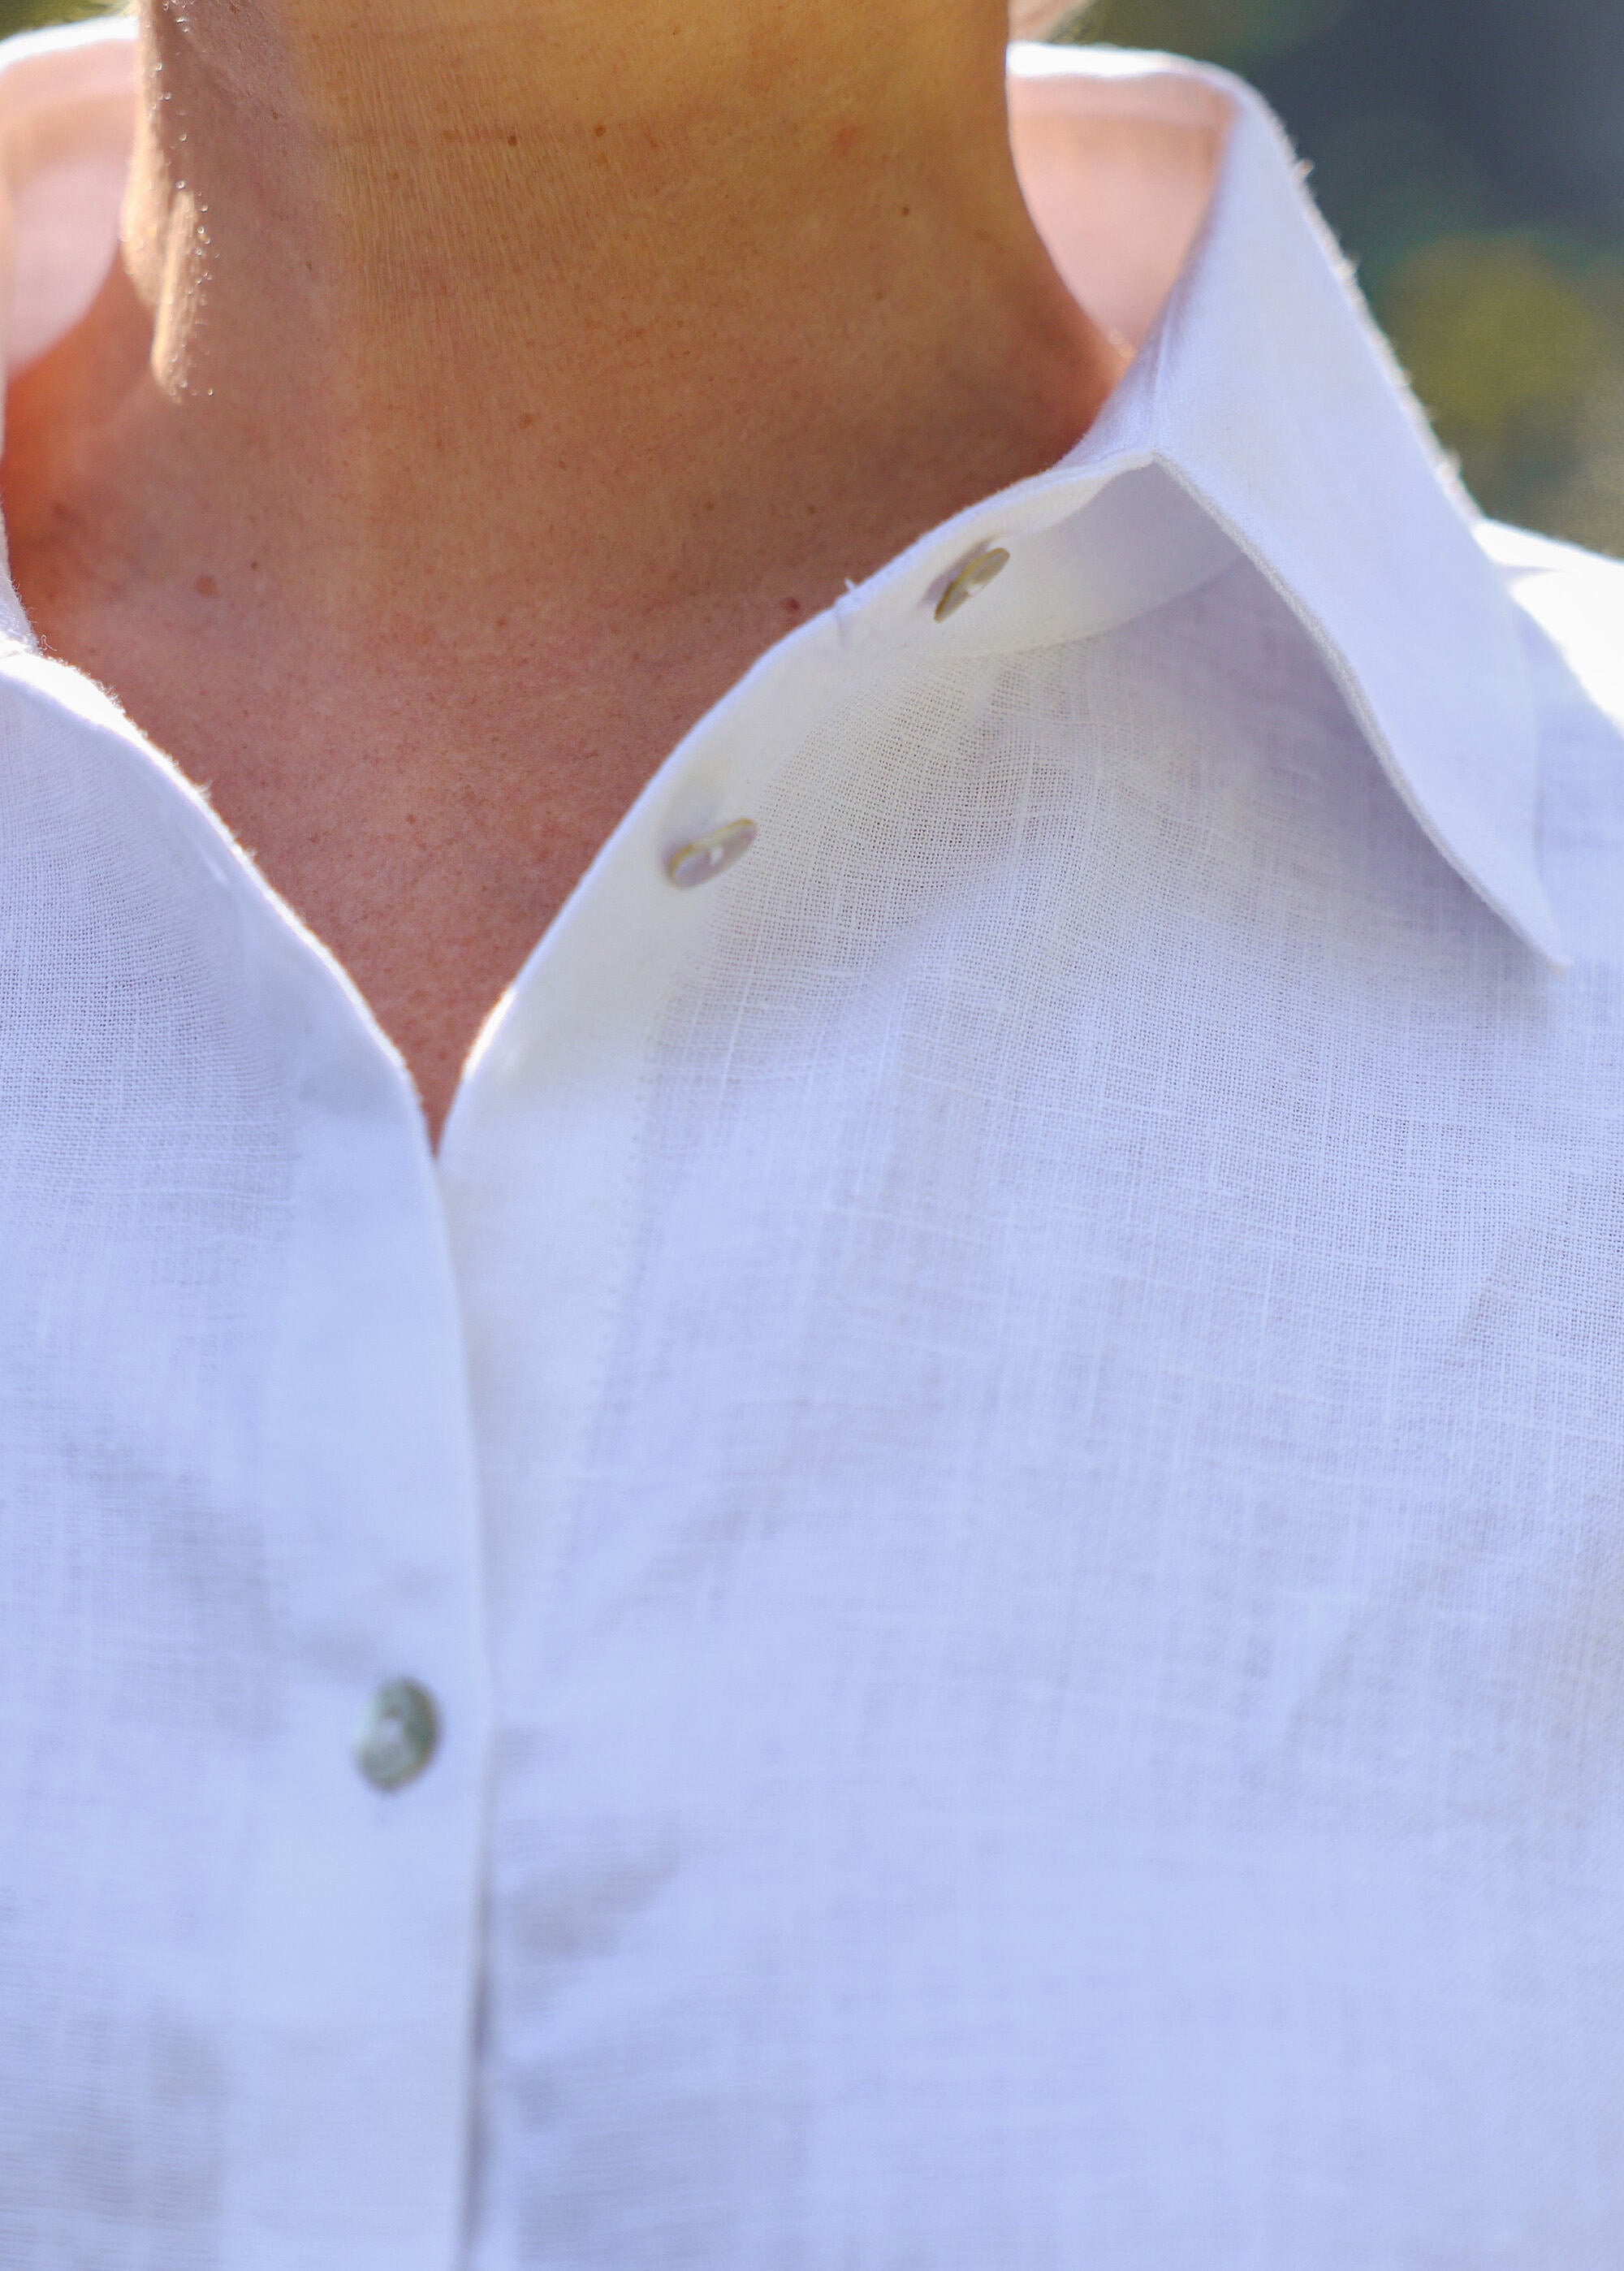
710	855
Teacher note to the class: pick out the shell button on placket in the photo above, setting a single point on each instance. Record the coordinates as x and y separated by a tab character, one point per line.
399	1735
977	573
711	855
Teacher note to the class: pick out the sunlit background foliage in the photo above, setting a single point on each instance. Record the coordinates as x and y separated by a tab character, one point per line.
28	15
1470	154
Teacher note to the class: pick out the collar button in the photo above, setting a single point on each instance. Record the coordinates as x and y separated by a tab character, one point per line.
709	856
977	573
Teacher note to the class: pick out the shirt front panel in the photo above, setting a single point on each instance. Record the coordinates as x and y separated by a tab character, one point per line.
147	1177
236	1492
1063	1705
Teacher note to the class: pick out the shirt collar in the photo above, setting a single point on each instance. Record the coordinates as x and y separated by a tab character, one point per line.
1262	391
1265	389
1262	414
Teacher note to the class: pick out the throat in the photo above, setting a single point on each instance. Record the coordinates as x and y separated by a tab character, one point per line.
466	290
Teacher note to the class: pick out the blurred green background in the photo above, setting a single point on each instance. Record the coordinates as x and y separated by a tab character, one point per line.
1470	154
25	15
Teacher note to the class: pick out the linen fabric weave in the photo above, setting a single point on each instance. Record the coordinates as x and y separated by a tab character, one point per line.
998	1434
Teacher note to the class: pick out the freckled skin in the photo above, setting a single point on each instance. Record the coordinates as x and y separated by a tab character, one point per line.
481	388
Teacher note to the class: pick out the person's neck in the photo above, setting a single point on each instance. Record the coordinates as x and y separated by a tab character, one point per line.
451	296
484	385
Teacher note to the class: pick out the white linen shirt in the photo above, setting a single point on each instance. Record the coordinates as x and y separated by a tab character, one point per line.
999	1434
